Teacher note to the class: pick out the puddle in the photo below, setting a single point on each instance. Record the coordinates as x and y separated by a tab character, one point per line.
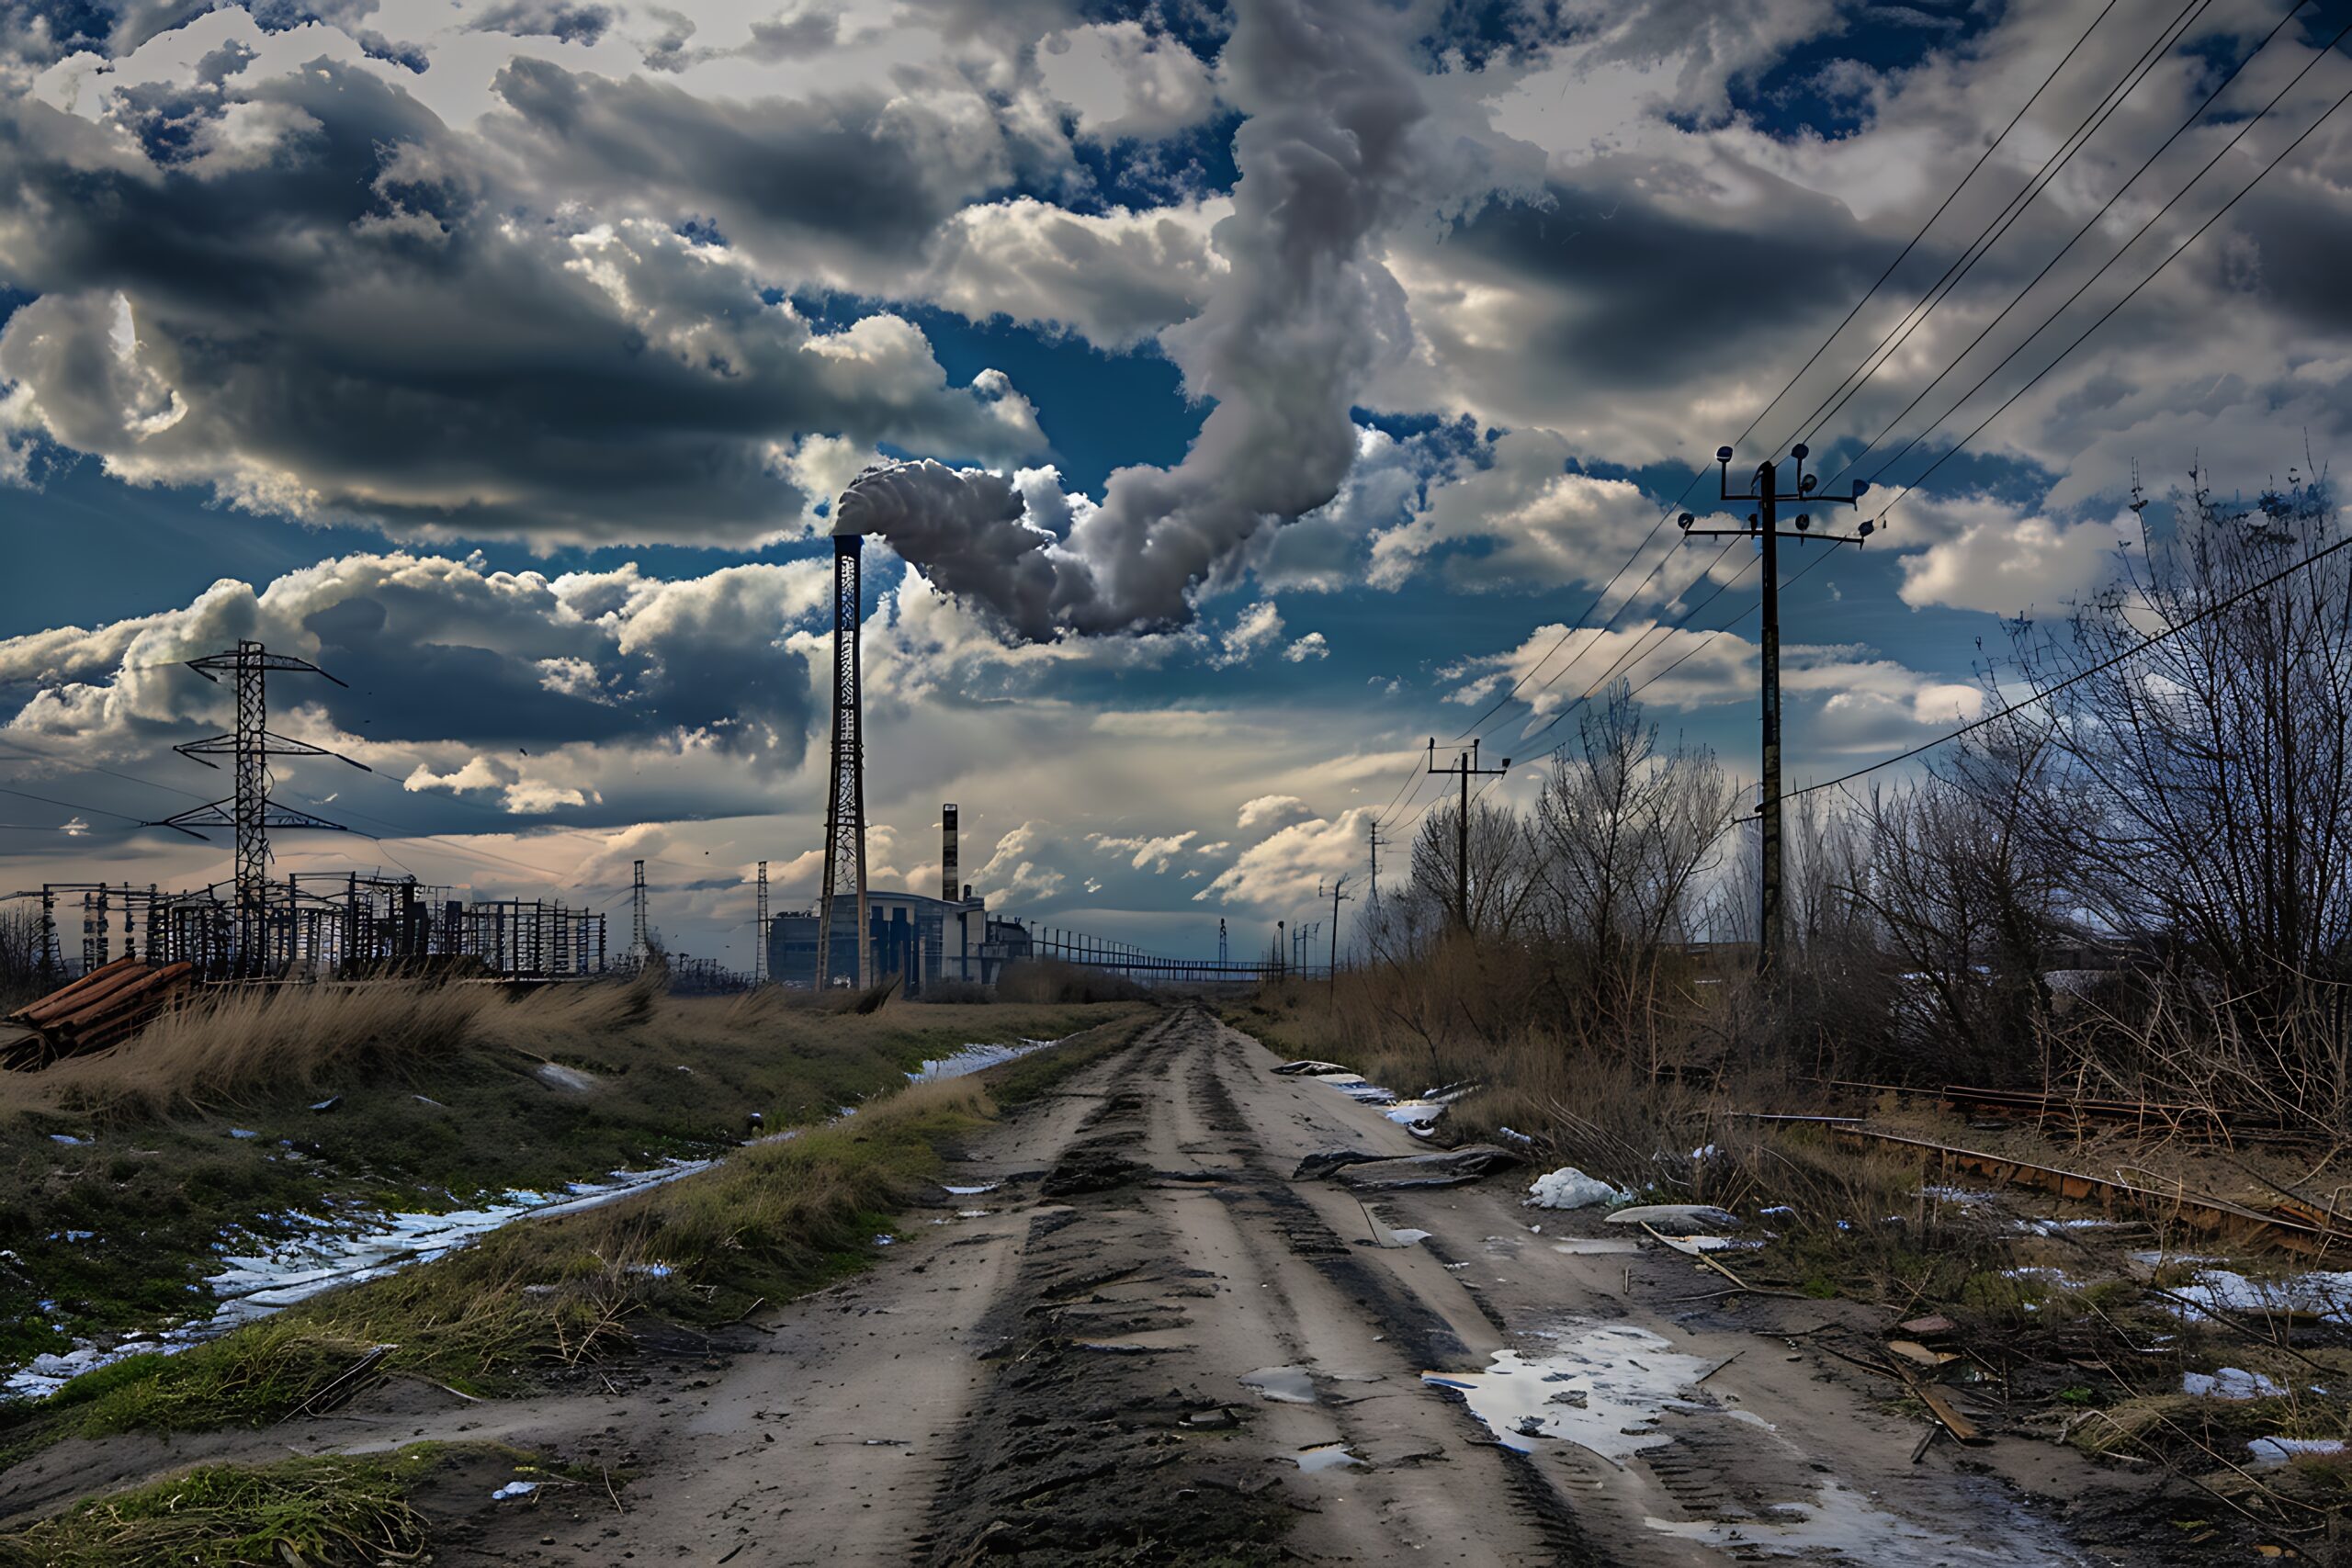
1323	1457
974	1058
1285	1385
1600	1388
1595	1246
255	1285
1841	1525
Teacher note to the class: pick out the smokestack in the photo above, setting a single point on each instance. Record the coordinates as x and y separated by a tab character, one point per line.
845	893
947	883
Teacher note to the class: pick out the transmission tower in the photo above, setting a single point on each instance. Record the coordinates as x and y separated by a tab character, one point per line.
249	814
845	806
1224	953
639	952
760	935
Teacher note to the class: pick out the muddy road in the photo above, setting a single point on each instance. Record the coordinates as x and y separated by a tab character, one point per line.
1129	1335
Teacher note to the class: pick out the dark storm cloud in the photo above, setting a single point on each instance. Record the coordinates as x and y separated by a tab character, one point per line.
560	20
854	178
347	322
1654	290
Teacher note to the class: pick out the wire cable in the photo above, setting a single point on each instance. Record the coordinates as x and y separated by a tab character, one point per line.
2195	116
2052	167
2103	319
2081	675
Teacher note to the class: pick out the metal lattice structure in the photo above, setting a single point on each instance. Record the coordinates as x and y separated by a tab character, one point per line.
760	933
249	814
845	806
640	938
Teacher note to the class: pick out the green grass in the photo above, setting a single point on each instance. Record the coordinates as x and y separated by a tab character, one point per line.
327	1510
438	1106
529	1305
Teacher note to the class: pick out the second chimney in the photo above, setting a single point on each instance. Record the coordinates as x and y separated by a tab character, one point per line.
947	883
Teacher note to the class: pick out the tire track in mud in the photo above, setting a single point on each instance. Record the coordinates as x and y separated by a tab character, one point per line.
1114	1427
1092	1444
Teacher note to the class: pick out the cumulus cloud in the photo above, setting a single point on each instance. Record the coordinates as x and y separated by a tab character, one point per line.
1268	810
447	654
1124	82
1152	854
2004	564
1286	867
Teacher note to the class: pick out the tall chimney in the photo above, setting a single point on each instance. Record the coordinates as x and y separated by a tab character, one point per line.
947	883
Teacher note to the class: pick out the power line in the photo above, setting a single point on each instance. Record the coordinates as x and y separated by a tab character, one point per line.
2081	675
2195	117
2104	317
2001	222
1416	778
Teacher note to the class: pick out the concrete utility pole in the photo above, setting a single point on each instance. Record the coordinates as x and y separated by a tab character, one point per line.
1468	767
1764	525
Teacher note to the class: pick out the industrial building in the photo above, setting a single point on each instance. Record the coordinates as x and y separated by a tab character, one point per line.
924	939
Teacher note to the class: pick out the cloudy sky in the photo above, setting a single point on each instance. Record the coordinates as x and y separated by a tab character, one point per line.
1308	378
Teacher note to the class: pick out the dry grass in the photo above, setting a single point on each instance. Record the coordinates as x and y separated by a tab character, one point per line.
236	1047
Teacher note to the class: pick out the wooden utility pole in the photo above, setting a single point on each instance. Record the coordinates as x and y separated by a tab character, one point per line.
1764	526
1466	767
1335	894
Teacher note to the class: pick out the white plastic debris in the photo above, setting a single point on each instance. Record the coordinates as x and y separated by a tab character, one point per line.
513	1490
1568	1187
2271	1452
2229	1382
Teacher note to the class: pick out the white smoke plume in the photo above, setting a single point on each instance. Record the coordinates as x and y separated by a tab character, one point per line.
1304	316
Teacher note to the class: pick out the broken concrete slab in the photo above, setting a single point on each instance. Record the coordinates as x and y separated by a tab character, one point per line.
1449	1167
1677	1219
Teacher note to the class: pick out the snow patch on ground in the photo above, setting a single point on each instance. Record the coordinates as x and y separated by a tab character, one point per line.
254	1285
975	1058
1600	1387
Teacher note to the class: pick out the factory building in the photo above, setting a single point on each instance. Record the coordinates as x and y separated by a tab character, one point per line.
926	940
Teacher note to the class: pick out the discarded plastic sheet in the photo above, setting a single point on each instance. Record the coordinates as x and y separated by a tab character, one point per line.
974	1191
1677	1219
1595	1245
513	1490
2229	1382
1568	1187
2271	1452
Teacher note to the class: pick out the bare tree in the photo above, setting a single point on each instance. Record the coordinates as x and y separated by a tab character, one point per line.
1503	873
1624	832
1963	893
2215	769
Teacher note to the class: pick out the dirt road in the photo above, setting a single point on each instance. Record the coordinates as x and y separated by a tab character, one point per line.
1126	1333
1134	1338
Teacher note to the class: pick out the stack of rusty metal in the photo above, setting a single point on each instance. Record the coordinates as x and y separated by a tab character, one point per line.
104	1008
